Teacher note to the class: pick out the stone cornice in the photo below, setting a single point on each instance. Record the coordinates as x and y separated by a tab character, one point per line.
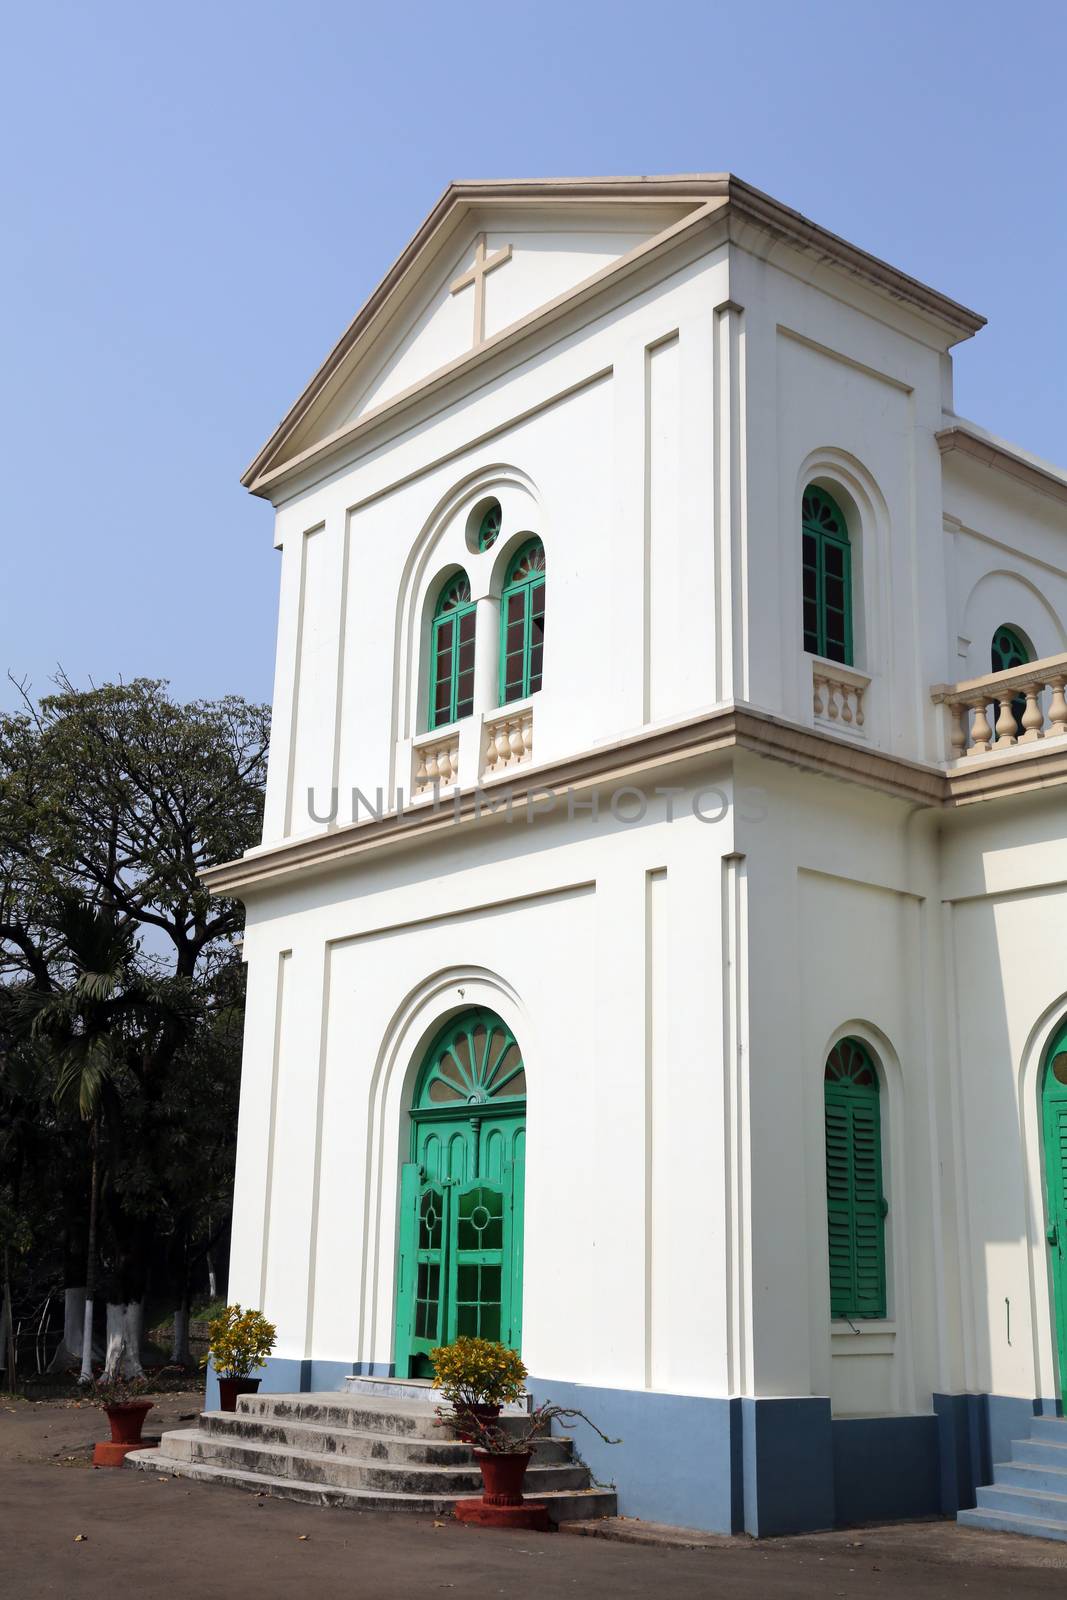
974	442
645	756
656	754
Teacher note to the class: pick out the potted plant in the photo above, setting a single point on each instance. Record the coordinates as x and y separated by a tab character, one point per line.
122	1401
240	1341
476	1377
503	1454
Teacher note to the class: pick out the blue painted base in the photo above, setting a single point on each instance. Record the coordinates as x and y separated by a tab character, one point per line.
761	1466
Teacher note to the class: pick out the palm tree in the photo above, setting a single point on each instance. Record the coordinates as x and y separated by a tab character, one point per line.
81	1023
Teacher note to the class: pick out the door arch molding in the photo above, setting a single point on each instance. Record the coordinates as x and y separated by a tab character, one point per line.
416	1018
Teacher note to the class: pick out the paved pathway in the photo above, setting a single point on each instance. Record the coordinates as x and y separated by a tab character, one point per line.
170	1539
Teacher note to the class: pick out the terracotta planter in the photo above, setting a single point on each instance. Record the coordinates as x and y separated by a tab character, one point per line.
230	1388
127	1419
502	1476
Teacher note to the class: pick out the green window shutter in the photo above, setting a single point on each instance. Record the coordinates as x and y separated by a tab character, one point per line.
827	576
855	1201
522	624
451	695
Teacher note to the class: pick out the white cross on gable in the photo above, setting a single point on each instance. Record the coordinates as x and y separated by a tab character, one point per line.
483	265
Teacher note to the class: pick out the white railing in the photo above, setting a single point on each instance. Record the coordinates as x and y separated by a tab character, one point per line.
837	695
981	715
435	760
507	741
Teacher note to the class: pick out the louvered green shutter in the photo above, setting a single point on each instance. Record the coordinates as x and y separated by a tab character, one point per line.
854	1199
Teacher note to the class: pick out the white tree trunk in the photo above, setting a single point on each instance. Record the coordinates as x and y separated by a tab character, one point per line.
124	1325
68	1353
212	1286
180	1353
86	1373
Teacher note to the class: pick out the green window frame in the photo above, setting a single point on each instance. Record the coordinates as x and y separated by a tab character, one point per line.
451	688
827	576
522	624
855	1200
489	527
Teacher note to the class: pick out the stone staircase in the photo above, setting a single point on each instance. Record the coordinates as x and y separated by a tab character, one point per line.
375	1447
1028	1493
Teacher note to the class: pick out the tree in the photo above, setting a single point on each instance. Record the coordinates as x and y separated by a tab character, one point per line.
111	802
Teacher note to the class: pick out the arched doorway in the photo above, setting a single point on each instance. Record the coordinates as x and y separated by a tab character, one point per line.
1054	1128
461	1194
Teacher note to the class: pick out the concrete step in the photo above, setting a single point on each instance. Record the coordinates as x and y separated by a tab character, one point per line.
1041	1452
357	1413
1007	1522
442	1450
1052	1429
563	1505
348	1472
1031	1475
415	1389
1041	1504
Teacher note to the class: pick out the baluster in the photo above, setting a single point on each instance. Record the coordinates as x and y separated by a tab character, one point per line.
422	777
846	702
859	705
832	691
527	734
981	732
1033	716
1007	727
818	690
957	736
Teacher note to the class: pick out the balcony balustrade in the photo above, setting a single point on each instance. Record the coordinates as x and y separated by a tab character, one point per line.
994	713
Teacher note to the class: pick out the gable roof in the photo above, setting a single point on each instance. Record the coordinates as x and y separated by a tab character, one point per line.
690	201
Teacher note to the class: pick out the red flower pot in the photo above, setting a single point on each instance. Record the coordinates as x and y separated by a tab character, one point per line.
502	1476
127	1419
230	1388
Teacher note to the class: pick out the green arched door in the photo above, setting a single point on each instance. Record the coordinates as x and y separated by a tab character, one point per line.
461	1195
1054	1124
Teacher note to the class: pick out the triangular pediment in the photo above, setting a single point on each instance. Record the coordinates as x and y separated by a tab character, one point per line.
488	259
493	261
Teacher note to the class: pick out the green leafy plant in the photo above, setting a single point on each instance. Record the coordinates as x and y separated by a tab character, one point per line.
477	1372
241	1341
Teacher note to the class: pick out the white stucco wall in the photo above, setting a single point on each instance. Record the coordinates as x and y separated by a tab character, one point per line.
675	986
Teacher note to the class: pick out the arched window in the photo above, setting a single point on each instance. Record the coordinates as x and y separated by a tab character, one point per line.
855	1203
827	561
522	624
1009	649
452	653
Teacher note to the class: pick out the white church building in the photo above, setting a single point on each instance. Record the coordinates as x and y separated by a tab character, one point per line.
657	950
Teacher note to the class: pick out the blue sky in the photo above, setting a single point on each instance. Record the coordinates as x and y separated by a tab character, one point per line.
196	199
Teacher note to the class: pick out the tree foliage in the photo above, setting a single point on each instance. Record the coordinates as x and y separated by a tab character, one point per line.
121	984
